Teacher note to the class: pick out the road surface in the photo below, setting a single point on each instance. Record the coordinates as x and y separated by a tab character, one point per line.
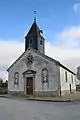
11	109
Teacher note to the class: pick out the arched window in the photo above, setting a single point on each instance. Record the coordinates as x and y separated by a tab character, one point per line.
45	77
16	79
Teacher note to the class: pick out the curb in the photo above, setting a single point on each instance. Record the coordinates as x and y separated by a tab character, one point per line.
49	100
77	100
4	96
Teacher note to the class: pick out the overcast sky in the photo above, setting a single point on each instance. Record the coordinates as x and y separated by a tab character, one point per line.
59	20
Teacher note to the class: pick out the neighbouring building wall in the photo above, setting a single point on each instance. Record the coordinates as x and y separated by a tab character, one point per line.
67	79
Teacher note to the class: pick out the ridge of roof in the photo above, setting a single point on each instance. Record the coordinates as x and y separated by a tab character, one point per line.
51	59
57	62
16	61
47	57
43	55
67	68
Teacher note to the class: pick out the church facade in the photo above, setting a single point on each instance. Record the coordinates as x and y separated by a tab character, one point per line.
35	73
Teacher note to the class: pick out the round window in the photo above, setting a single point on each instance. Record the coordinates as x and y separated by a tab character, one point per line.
29	60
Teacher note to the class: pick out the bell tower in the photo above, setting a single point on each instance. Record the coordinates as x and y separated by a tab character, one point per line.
35	39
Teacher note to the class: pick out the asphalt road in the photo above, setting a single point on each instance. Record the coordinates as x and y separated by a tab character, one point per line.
34	110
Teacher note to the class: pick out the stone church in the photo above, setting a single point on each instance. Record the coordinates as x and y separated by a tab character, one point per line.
35	73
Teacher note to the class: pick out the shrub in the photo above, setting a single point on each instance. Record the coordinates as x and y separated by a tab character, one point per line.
3	91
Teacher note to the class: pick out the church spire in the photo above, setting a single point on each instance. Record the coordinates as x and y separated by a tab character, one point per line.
34	38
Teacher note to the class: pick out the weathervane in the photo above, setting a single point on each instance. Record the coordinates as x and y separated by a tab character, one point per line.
34	15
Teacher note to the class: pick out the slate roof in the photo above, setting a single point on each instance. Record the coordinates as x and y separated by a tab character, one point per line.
34	30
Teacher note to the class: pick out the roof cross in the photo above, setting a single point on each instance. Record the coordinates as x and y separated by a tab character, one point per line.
34	15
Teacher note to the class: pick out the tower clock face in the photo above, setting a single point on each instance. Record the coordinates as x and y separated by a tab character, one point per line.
29	60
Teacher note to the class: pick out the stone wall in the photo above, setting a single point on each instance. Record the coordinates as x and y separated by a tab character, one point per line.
40	62
15	92
47	93
67	92
65	85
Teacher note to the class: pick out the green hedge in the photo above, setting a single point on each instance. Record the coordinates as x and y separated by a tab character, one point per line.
3	91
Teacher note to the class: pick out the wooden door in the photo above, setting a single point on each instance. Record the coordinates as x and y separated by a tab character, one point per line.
29	85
